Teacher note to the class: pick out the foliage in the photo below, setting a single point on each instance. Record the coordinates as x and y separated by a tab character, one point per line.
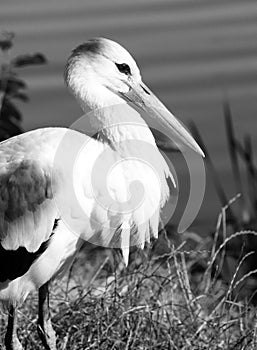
12	87
242	215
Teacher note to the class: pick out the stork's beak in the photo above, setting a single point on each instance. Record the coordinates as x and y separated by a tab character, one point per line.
141	96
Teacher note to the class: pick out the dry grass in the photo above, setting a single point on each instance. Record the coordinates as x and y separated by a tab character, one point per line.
175	300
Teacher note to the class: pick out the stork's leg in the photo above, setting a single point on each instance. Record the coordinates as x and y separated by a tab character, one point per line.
11	339
45	328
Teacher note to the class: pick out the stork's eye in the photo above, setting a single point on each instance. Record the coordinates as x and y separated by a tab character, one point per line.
123	68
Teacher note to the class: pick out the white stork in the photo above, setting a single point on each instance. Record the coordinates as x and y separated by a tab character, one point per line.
41	227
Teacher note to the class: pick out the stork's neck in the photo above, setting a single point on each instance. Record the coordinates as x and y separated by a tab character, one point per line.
111	117
119	123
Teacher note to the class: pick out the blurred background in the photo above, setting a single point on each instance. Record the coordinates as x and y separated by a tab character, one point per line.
192	53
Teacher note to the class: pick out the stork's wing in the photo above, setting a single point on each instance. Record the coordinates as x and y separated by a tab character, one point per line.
27	210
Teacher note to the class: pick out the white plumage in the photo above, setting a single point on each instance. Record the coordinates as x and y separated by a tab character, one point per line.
60	174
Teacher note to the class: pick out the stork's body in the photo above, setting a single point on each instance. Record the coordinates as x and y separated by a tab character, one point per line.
34	191
53	174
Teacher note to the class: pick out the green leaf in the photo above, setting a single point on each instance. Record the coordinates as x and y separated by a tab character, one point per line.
6	41
9	129
11	85
5	44
20	96
9	110
25	60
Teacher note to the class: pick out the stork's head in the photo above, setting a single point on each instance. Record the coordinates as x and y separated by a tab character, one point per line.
101	72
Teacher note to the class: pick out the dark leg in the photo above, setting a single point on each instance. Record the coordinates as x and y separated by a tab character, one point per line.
11	339
45	329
